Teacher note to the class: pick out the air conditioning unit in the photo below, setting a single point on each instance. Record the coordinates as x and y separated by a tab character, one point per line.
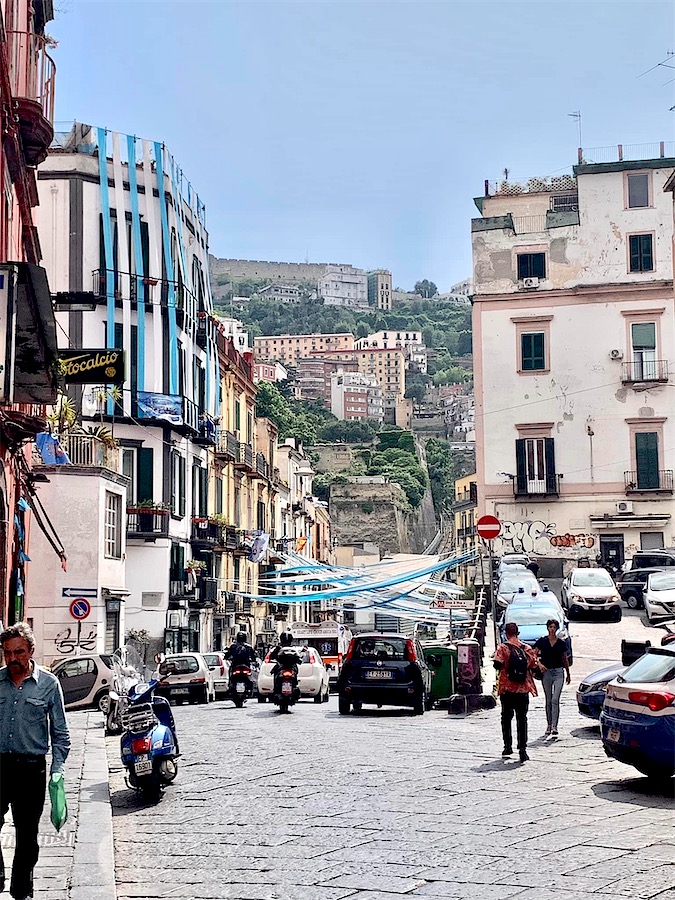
624	506
615	354
530	283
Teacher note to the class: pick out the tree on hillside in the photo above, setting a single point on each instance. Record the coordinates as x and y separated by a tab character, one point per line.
415	392
425	288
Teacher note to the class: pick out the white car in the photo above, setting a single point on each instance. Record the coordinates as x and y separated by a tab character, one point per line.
313	678
591	590
186	676
659	595
220	668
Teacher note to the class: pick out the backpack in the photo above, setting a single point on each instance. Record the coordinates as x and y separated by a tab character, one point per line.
517	665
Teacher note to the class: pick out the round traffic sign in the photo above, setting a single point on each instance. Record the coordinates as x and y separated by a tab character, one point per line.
488	527
80	608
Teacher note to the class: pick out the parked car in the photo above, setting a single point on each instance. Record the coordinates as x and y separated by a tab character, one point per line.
650	559
631	585
591	691
220	669
531	615
659	596
591	590
191	679
637	721
85	680
516	580
313	678
509	560
384	669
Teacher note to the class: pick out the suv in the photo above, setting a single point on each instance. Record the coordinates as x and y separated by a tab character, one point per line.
632	583
385	669
653	559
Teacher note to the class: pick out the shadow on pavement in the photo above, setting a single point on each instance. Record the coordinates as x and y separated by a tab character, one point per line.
589	733
638	791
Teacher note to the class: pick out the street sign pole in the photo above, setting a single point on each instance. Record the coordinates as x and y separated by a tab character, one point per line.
493	604
489	528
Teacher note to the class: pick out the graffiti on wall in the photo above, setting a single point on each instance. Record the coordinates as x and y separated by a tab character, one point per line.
537	536
66	641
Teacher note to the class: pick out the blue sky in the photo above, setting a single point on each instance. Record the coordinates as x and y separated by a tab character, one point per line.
360	130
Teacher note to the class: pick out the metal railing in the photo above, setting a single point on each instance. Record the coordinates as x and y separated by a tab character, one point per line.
152	291
529	224
32	72
549	486
262	466
621	152
637	481
245	456
563	184
227	444
205	532
564	203
151	522
88	450
644	370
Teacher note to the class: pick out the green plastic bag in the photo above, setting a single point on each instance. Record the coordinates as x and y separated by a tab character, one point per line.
57	796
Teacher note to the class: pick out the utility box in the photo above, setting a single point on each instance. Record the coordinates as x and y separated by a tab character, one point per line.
442	660
468	667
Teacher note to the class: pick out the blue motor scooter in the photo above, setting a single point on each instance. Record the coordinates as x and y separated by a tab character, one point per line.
149	746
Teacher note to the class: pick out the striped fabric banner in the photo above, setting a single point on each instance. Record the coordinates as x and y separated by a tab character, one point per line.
107	244
168	264
138	262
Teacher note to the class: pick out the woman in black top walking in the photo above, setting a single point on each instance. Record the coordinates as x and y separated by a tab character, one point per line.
554	664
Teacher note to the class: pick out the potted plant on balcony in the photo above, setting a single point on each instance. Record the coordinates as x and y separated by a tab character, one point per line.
146	510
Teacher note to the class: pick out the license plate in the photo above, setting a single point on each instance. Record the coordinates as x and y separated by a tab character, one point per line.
143	764
286	687
181	690
378	673
614	735
240	687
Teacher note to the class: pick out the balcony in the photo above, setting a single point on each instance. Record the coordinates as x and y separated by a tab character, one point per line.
203	327
151	291
262	468
147	523
208	432
534	489
180	590
244	457
32	76
244	542
227	445
207	591
652	371
230	537
205	534
652	482
179	412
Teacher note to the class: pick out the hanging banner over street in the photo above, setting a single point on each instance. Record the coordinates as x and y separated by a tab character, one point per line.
92	366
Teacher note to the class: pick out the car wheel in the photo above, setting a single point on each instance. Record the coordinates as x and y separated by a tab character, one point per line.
418	707
204	696
318	698
262	699
428	703
326	696
343	706
571	612
358	706
101	701
632	601
615	614
655	772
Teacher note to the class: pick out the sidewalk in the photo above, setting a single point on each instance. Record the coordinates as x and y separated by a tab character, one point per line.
77	863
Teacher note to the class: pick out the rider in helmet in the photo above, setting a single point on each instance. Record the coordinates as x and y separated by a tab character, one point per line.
241	653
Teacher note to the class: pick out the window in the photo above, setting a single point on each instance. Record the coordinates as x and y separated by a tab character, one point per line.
638	190
177	483
532	354
112	531
647	460
641	253
531	265
199	491
535	466
219	495
643	340
129	470
237	415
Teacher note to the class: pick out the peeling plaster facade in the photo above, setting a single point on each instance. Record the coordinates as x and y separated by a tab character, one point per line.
559	433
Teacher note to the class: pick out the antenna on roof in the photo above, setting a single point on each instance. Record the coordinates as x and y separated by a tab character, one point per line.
577	116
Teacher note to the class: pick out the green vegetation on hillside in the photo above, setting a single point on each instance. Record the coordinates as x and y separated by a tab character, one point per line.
445	467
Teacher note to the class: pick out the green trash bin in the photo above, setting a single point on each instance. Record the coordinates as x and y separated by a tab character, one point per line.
442	660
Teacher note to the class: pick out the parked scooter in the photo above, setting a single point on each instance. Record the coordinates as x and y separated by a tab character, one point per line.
286	690
149	745
125	675
241	684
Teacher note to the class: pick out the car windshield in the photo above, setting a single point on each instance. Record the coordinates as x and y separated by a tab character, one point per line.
380	648
592	578
665	582
537	614
509	584
179	665
652	668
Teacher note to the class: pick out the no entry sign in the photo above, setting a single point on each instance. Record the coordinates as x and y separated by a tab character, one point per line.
488	527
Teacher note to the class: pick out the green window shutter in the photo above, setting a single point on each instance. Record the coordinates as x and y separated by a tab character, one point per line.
549	462
533	358
634	251
145	468
181	486
647	458
647	260
521	467
237	415
643	335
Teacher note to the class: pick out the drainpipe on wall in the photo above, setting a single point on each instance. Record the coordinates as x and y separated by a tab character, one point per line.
590	433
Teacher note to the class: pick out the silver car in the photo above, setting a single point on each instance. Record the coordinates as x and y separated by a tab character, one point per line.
516	581
659	596
591	591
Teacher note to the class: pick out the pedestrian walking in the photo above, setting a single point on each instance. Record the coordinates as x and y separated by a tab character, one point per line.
515	663
554	664
31	710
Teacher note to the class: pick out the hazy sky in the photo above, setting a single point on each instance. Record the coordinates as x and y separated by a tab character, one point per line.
359	131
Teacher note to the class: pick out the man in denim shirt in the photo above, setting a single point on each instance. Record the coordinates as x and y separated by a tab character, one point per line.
31	710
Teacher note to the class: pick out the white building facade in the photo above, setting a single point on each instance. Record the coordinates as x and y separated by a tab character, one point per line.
126	244
409	341
574	342
355	396
344	286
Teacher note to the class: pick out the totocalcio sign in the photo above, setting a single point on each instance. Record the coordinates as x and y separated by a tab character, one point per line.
92	366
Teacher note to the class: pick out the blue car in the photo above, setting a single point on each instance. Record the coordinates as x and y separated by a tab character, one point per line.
637	721
591	691
531	615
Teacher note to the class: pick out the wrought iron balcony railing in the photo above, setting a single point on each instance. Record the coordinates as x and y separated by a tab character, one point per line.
647	370
653	480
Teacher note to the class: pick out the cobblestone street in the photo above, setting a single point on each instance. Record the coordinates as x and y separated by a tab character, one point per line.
318	806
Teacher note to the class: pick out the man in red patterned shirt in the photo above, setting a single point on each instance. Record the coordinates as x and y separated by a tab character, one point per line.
515	662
